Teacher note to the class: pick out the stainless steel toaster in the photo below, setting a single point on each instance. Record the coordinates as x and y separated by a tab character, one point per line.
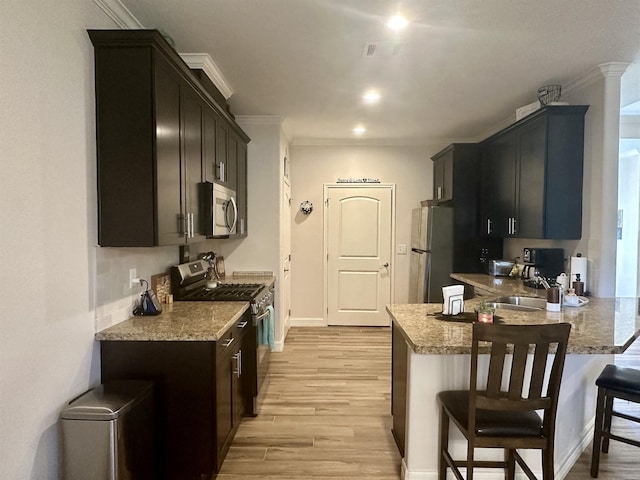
499	268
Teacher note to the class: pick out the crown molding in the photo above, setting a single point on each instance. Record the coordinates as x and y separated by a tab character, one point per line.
610	69
120	14
433	143
204	62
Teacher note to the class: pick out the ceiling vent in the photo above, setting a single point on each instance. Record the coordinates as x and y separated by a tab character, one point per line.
382	49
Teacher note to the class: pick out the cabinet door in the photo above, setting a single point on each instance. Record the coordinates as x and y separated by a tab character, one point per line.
167	100
192	164
224	405
502	160
209	165
237	387
531	180
443	177
221	173
232	161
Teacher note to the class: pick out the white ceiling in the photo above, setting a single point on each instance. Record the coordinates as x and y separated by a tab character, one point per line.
463	65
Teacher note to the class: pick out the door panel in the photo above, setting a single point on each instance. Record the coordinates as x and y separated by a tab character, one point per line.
358	255
358	291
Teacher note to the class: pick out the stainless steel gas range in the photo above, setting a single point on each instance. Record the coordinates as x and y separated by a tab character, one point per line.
190	282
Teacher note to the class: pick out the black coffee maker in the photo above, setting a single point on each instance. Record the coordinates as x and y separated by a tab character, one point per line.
545	263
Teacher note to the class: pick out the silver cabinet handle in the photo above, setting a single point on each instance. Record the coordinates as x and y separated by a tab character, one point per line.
440	192
489	225
238	358
228	342
242	324
222	179
514	226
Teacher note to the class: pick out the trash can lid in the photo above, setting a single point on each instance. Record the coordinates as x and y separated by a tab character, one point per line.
107	401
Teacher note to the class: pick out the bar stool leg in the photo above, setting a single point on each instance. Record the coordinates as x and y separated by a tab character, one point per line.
597	433
608	409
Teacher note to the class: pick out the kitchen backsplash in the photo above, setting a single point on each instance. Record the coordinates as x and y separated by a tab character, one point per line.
115	299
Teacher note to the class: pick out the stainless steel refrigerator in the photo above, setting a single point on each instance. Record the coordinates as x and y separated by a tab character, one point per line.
432	253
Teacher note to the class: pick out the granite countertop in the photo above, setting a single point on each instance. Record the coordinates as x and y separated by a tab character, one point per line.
179	321
498	285
268	280
603	326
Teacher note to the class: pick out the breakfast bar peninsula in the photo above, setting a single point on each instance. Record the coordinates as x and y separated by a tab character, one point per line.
431	353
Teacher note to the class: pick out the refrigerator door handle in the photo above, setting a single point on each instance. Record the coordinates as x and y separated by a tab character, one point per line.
427	280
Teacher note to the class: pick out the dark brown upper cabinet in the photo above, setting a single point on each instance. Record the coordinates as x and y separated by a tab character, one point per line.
153	140
531	181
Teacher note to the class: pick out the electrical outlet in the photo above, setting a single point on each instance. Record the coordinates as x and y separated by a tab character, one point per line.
133	278
401	249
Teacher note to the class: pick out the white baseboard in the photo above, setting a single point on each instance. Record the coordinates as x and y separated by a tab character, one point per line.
308	322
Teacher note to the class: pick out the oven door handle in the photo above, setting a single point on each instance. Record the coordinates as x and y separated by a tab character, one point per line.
261	317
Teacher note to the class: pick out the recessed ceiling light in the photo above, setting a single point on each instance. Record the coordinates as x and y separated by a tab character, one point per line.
359	130
371	96
397	22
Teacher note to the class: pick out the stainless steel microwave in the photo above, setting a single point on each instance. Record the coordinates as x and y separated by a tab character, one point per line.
218	210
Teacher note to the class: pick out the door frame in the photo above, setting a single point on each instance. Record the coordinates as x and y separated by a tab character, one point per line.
326	194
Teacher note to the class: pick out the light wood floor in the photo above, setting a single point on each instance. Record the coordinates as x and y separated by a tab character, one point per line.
326	414
623	461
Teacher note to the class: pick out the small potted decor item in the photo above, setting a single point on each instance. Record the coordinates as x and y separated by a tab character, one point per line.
485	312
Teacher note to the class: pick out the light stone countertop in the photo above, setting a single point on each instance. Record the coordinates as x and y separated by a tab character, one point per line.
498	285
268	280
179	321
604	325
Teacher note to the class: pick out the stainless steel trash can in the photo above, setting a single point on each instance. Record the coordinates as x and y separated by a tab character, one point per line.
107	433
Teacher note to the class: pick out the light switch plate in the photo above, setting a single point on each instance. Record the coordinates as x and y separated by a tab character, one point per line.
401	249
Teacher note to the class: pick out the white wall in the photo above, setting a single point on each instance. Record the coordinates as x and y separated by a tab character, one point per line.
409	167
47	225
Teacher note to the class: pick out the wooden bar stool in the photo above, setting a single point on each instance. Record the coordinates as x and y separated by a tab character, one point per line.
494	417
614	382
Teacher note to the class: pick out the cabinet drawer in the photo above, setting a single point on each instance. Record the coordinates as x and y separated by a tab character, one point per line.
227	342
241	326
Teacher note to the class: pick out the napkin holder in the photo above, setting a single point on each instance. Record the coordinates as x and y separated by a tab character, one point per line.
453	296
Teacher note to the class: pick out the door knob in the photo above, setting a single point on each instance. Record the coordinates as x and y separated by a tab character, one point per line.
385	265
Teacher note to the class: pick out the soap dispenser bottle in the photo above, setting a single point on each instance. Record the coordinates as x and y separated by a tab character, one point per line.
578	285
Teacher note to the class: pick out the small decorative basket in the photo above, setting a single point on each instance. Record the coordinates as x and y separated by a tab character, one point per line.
549	94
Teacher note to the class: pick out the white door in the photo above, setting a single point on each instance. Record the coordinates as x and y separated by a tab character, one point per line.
358	223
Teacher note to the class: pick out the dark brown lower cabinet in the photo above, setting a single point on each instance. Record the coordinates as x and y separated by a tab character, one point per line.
199	396
398	386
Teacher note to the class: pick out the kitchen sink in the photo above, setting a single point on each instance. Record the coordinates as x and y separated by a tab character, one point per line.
517	302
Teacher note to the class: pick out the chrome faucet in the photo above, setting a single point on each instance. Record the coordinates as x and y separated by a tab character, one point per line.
544	283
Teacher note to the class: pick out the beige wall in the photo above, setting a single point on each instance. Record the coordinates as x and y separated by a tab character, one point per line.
47	226
410	168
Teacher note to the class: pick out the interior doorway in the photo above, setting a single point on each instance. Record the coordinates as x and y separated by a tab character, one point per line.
359	233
